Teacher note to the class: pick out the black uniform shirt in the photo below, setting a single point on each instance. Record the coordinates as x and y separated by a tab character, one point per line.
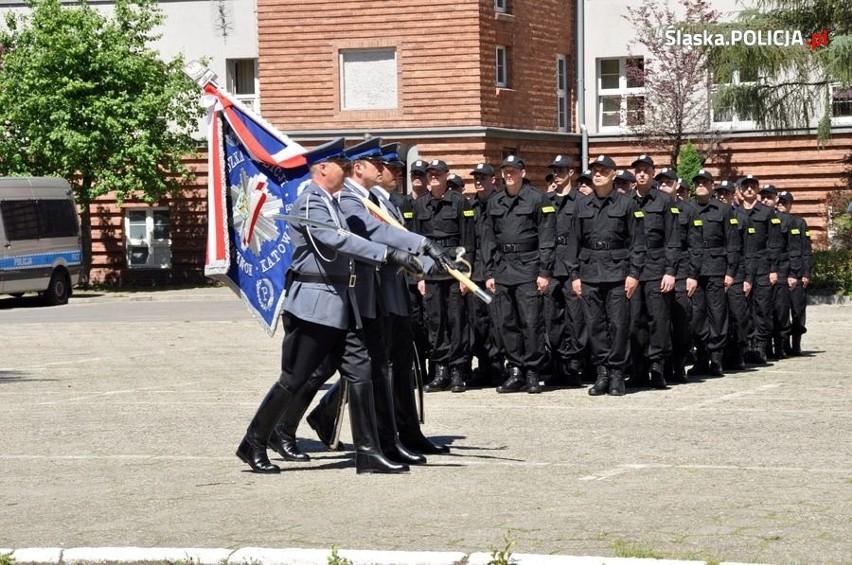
689	237
761	259
484	245
780	241
523	229
567	204
720	247
799	245
606	243
447	221
661	237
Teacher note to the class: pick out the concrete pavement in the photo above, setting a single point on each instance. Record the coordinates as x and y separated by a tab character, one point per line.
122	412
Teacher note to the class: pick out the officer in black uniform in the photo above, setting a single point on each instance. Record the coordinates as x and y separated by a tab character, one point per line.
446	217
567	333
762	265
685	284
625	181
780	292
606	254
484	335
801	259
739	305
522	224
650	311
718	256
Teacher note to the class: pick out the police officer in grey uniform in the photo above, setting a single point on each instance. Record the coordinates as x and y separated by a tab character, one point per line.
522	225
606	254
322	321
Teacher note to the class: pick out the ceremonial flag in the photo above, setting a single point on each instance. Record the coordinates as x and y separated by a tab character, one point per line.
254	173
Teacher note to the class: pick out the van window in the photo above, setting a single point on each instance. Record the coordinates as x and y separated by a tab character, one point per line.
56	218
38	219
20	217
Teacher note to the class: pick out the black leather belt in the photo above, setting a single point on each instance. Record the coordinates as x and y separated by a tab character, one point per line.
446	241
714	243
324	279
605	245
517	247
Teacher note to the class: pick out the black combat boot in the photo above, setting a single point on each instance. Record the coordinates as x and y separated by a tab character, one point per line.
616	383
571	370
702	362
252	449
601	385
441	380
780	352
515	382
389	440
796	345
496	372
533	385
679	370
365	435
323	417
457	377
715	368
658	381
759	352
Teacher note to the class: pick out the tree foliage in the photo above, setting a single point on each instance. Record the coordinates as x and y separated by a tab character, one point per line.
83	96
676	102
689	162
791	86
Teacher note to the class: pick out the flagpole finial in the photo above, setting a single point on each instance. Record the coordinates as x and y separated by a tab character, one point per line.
201	74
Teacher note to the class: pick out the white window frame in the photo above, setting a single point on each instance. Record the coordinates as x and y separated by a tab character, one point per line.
836	120
735	122
501	6
562	117
251	100
501	67
157	248
622	92
391	89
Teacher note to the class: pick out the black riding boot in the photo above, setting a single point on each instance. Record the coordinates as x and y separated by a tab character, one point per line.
252	449
324	415
365	434
407	421
601	385
392	447
283	439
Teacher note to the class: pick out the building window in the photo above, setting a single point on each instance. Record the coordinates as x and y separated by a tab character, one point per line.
148	234
242	81
561	93
502	67
502	6
621	92
841	103
368	79
726	115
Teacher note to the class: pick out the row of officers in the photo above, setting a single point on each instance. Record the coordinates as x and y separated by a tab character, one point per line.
611	275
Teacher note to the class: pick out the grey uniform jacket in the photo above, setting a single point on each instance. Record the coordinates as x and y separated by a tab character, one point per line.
361	221
326	253
393	286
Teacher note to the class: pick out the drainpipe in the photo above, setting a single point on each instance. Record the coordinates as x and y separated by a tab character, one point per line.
581	83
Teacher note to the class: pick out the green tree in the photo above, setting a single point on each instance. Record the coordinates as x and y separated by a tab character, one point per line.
689	162
784	87
84	97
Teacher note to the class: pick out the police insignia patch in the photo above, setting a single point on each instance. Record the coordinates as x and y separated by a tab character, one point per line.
468	213
698	223
639	214
675	210
734	221
752	230
548	210
795	231
776	220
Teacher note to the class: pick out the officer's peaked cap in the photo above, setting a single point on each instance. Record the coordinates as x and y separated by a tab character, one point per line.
334	149
392	154
367	149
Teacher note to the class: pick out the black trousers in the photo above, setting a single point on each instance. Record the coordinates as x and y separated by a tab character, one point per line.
761	309
309	348
484	338
607	313
650	321
798	309
399	347
710	313
739	314
781	324
682	316
446	321
566	324
418	322
520	321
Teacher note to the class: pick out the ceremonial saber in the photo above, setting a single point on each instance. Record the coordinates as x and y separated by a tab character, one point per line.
458	275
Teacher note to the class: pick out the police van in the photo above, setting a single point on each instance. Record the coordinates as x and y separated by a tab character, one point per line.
40	245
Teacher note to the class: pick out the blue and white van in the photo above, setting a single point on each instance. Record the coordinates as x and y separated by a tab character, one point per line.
40	244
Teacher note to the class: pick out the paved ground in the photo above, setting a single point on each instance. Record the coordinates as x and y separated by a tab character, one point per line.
121	413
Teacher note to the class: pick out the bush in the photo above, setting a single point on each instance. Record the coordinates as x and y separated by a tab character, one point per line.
832	272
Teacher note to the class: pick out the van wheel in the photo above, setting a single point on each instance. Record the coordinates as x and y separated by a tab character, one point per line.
58	291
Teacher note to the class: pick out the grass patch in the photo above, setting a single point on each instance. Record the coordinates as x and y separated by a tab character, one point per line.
627	549
503	556
336	559
6	559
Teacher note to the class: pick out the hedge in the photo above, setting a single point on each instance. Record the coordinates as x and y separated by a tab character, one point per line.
832	272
